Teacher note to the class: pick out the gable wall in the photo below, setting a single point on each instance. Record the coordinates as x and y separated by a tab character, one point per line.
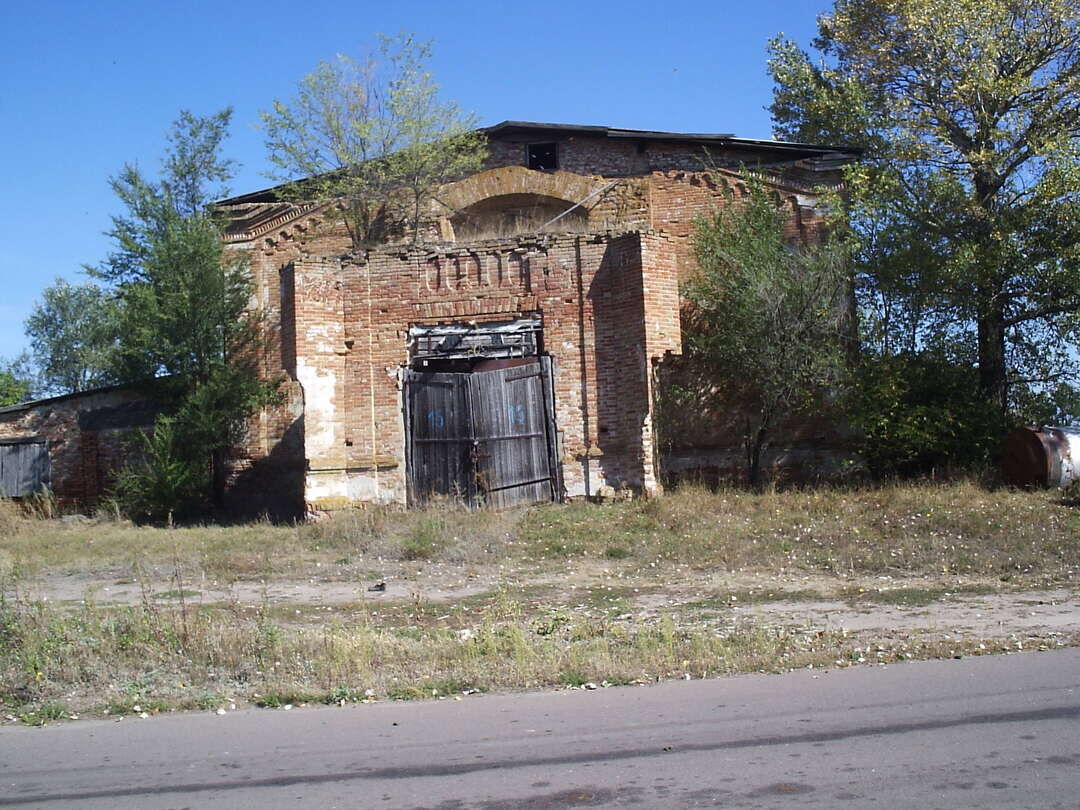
337	329
621	157
593	293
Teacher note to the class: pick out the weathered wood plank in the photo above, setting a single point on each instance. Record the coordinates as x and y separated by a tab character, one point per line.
484	435
24	469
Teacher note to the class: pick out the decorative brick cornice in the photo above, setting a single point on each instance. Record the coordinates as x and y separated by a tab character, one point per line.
293	213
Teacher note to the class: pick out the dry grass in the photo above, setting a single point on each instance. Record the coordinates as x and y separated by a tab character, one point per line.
168	653
59	663
254	551
445	532
957	528
104	659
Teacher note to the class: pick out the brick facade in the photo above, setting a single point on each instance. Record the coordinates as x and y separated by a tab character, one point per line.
594	293
86	436
603	280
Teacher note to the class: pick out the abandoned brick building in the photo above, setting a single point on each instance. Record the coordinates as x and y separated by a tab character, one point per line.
512	355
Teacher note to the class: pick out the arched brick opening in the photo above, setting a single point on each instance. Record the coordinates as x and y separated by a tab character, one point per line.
513	199
509	214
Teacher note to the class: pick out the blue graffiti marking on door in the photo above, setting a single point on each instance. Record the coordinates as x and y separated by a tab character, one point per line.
436	419
516	412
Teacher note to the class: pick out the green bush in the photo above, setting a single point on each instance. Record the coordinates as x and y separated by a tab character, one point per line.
922	414
164	482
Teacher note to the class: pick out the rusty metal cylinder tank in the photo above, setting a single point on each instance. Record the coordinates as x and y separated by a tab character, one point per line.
1041	457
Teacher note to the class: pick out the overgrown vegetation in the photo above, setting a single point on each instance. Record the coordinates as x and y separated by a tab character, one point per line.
185	322
963	206
173	314
765	322
373	138
917	413
529	618
958	219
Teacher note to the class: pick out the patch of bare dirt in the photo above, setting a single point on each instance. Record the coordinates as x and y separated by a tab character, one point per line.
959	615
927	606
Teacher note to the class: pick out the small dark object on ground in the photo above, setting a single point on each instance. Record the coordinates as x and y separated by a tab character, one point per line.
378	587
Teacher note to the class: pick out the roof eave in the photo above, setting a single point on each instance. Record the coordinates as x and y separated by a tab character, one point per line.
721	138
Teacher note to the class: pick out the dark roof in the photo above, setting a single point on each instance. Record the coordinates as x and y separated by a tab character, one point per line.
535	129
142	386
509	128
527	127
29	404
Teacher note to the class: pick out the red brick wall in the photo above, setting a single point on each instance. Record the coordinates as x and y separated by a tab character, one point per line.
678	198
86	436
592	292
338	326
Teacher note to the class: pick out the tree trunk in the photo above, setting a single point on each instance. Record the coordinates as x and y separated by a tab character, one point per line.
217	479
755	445
993	379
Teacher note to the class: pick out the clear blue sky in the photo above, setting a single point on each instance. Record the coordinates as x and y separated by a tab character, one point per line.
87	85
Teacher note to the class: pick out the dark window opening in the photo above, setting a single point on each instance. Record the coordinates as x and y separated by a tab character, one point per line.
543	157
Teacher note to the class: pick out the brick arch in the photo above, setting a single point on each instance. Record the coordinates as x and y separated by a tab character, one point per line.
511	180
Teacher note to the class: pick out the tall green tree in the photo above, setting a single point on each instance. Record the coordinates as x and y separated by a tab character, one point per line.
15	380
73	336
967	206
193	175
374	137
768	319
186	317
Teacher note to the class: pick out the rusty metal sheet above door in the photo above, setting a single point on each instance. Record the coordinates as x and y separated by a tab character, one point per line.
516	338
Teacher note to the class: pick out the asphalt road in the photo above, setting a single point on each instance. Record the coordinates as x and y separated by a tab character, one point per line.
1001	731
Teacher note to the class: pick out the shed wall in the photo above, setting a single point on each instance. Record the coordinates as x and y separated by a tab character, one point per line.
85	436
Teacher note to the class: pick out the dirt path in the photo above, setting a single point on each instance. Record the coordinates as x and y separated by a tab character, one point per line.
929	607
977	615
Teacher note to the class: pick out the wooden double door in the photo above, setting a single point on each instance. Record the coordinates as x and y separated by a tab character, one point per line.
484	437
